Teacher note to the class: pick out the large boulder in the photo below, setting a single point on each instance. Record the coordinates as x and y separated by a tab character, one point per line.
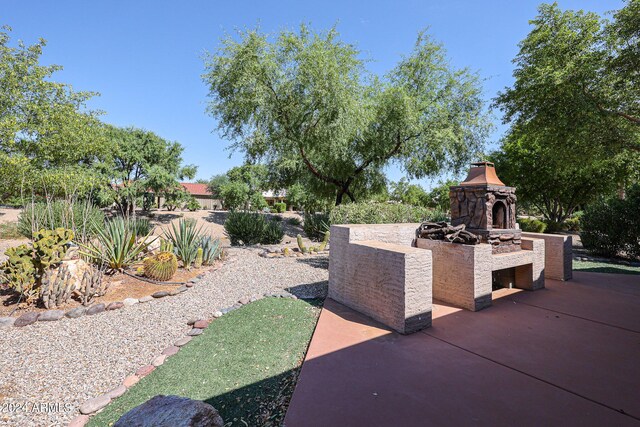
171	411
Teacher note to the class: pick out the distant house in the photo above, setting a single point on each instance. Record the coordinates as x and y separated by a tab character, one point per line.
202	194
272	197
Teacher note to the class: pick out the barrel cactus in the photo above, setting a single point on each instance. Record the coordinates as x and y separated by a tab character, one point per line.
161	266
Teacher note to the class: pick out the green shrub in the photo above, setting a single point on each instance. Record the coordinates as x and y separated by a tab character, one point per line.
532	225
574	223
295	221
192	204
82	217
383	213
116	245
612	226
244	228
280	207
9	230
272	233
186	238
139	226
315	225
276	218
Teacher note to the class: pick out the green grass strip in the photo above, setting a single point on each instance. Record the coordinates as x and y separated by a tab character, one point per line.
603	267
245	364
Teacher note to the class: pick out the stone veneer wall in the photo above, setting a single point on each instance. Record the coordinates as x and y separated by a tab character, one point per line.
375	270
558	255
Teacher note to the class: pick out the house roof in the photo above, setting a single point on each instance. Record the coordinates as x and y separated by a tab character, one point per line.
196	189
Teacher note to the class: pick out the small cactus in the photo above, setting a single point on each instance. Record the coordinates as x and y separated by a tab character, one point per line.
286	252
166	245
198	261
161	267
56	291
92	286
323	245
301	245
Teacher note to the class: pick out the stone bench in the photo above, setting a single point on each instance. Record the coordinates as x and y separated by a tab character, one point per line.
558	255
375	270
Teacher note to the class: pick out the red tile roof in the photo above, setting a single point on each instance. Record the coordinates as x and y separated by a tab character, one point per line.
196	189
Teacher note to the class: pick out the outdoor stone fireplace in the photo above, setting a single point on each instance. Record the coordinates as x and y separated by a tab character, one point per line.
487	208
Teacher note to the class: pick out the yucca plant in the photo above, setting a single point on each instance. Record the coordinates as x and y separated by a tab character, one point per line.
116	245
185	237
140	226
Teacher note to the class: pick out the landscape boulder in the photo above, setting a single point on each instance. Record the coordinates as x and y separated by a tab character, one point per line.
171	411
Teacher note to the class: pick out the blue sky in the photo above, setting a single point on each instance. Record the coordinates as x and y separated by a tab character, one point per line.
145	57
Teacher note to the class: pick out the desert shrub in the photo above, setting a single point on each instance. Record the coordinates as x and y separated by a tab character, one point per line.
192	204
532	225
280	207
383	213
246	228
276	218
315	225
574	223
612	226
82	217
139	226
116	245
186	238
295	221
27	264
272	233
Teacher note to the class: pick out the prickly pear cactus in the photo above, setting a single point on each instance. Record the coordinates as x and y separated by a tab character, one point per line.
161	266
198	261
20	272
301	245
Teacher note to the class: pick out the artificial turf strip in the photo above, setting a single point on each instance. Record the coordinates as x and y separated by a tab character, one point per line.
245	364
603	267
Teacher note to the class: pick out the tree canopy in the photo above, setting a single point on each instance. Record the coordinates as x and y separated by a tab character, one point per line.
49	141
577	78
305	104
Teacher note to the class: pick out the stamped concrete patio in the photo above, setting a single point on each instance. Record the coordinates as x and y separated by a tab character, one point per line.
567	355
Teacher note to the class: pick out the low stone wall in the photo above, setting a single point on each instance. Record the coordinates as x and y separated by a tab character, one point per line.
375	270
558	255
462	273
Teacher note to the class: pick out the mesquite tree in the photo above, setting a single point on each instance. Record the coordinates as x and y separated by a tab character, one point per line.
304	102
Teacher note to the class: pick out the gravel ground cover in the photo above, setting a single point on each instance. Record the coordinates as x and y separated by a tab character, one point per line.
49	369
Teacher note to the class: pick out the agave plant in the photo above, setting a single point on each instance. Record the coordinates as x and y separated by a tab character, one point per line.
185	237
210	249
116	245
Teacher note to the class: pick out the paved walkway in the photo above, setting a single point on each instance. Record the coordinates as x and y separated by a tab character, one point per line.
568	355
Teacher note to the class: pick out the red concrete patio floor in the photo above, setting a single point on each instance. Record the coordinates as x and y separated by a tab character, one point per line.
567	355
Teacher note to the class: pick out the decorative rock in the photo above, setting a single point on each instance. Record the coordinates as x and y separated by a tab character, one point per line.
95	404
182	288
144	371
194	332
6	322
201	324
117	392
115	305
171	350
174	292
217	314
254	299
50	315
160	294
79	421
191	321
174	411
76	312
159	360
194	280
189	285
244	301
130	381
130	301
183	341
95	309
146	299
26	319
